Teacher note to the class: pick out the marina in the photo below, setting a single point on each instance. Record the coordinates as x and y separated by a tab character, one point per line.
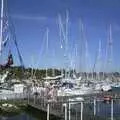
59	60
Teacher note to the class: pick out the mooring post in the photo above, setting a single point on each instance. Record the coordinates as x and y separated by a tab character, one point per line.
81	110
69	111
112	109
65	105
94	106
48	111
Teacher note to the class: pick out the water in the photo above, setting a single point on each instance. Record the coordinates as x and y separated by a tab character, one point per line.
28	114
22	116
103	112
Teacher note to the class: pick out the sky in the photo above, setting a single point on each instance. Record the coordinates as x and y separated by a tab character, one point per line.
31	18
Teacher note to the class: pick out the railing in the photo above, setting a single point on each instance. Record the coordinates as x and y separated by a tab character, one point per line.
92	108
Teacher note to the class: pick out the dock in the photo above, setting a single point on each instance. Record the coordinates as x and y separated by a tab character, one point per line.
87	107
61	106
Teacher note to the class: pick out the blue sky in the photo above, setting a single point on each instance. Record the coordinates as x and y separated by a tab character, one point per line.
32	17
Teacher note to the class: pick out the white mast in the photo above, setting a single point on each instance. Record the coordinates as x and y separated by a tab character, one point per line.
86	57
84	50
76	54
61	30
66	43
60	35
111	47
109	52
53	69
32	70
47	31
98	61
1	26
64	39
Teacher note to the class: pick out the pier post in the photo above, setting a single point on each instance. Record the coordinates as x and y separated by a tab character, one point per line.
94	106
112	109
65	106
81	110
48	111
69	111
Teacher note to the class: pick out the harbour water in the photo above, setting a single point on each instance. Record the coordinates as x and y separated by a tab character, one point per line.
103	112
22	116
27	114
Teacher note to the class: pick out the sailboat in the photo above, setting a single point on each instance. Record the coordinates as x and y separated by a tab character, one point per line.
72	87
116	86
106	85
7	33
3	42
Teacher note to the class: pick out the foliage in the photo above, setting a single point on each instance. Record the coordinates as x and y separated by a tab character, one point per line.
17	72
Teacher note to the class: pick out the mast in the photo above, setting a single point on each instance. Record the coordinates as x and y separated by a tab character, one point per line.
110	43
109	51
64	39
98	62
74	61
86	57
47	31
53	69
1	26
66	44
75	64
32	68
60	36
84	50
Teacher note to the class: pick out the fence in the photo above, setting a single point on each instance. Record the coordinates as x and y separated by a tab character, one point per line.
68	108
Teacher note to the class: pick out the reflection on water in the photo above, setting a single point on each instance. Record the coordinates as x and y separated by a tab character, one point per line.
22	116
